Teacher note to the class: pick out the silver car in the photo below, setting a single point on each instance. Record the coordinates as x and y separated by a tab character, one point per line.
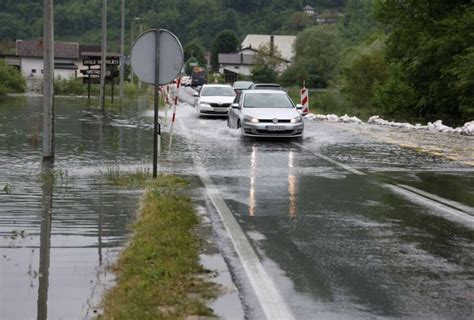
214	99
265	113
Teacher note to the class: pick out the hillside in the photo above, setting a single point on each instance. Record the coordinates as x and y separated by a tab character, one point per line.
79	20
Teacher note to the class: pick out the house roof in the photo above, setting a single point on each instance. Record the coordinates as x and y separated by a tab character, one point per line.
35	48
283	43
235	58
308	8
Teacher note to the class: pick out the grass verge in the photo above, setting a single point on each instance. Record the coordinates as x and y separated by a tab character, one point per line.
159	275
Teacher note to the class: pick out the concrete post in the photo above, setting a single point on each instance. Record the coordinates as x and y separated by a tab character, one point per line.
48	81
103	56
122	49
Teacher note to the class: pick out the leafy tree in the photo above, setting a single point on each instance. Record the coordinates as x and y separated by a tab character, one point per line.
196	50
317	52
10	79
358	21
431	41
266	63
225	42
363	71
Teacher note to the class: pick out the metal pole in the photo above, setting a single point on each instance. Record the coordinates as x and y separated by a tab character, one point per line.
103	56
156	125
122	49
131	46
139	81
48	81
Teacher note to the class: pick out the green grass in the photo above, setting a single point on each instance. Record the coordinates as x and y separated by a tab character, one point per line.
158	274
129	179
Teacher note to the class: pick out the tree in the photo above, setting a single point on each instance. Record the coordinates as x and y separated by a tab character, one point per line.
358	21
225	42
11	79
196	50
431	41
317	52
265	64
364	70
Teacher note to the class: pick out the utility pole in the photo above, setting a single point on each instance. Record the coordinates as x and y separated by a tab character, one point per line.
141	31
122	49
103	56
131	44
48	81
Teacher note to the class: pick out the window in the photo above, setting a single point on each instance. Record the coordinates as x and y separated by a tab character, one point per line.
33	70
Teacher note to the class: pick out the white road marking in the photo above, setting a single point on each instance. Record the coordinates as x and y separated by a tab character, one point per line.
451	209
272	303
337	163
445	211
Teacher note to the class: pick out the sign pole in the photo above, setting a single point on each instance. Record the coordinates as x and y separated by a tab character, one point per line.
156	125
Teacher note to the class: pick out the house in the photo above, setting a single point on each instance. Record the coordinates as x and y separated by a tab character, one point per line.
30	55
231	65
284	44
309	10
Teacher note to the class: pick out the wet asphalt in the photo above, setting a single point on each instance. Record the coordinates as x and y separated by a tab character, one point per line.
340	245
337	245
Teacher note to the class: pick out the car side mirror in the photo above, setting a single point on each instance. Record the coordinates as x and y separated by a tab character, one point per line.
235	106
299	107
196	94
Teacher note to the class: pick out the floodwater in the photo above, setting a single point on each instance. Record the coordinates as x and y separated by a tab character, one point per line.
61	229
339	245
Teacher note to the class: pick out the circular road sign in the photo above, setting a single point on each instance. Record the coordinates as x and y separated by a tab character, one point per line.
157	51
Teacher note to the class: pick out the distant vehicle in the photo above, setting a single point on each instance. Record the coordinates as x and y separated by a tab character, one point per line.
198	77
241	85
214	99
186	81
266	86
265	113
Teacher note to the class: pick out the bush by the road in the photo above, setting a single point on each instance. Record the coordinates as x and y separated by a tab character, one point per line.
11	80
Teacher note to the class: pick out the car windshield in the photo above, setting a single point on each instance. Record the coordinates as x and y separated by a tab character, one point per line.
267	100
242	84
218	91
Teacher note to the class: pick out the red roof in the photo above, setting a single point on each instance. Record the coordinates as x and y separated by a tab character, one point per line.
35	48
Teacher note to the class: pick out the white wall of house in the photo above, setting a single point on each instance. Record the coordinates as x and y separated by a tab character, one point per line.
32	68
240	69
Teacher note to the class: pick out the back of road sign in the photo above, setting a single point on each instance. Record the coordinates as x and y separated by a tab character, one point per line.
143	56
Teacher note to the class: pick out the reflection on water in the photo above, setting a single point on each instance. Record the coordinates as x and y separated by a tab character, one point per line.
54	258
45	238
292	184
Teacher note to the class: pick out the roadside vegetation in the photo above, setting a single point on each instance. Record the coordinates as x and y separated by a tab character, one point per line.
11	81
391	58
76	87
158	275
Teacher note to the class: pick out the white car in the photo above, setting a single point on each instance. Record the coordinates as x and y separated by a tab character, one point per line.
266	113
186	81
214	99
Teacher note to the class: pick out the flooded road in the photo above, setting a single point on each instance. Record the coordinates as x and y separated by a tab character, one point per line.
346	244
336	243
60	232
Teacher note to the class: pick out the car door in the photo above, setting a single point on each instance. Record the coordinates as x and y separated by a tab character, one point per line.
234	113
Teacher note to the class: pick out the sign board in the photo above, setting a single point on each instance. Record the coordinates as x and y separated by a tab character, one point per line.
94	61
95	72
193	64
157	51
96	80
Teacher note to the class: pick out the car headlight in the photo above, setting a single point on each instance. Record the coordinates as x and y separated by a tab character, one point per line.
250	119
298	119
205	105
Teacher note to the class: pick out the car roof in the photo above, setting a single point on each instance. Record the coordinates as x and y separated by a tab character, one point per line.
217	85
263	91
266	85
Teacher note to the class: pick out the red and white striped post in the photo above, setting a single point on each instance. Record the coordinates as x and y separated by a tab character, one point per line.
304	100
173	118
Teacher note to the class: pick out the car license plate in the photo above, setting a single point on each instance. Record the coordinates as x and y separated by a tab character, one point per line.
220	109
275	128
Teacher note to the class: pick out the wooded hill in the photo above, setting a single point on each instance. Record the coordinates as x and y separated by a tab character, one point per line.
80	20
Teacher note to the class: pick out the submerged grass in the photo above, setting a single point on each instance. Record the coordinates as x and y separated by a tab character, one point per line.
130	179
158	274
